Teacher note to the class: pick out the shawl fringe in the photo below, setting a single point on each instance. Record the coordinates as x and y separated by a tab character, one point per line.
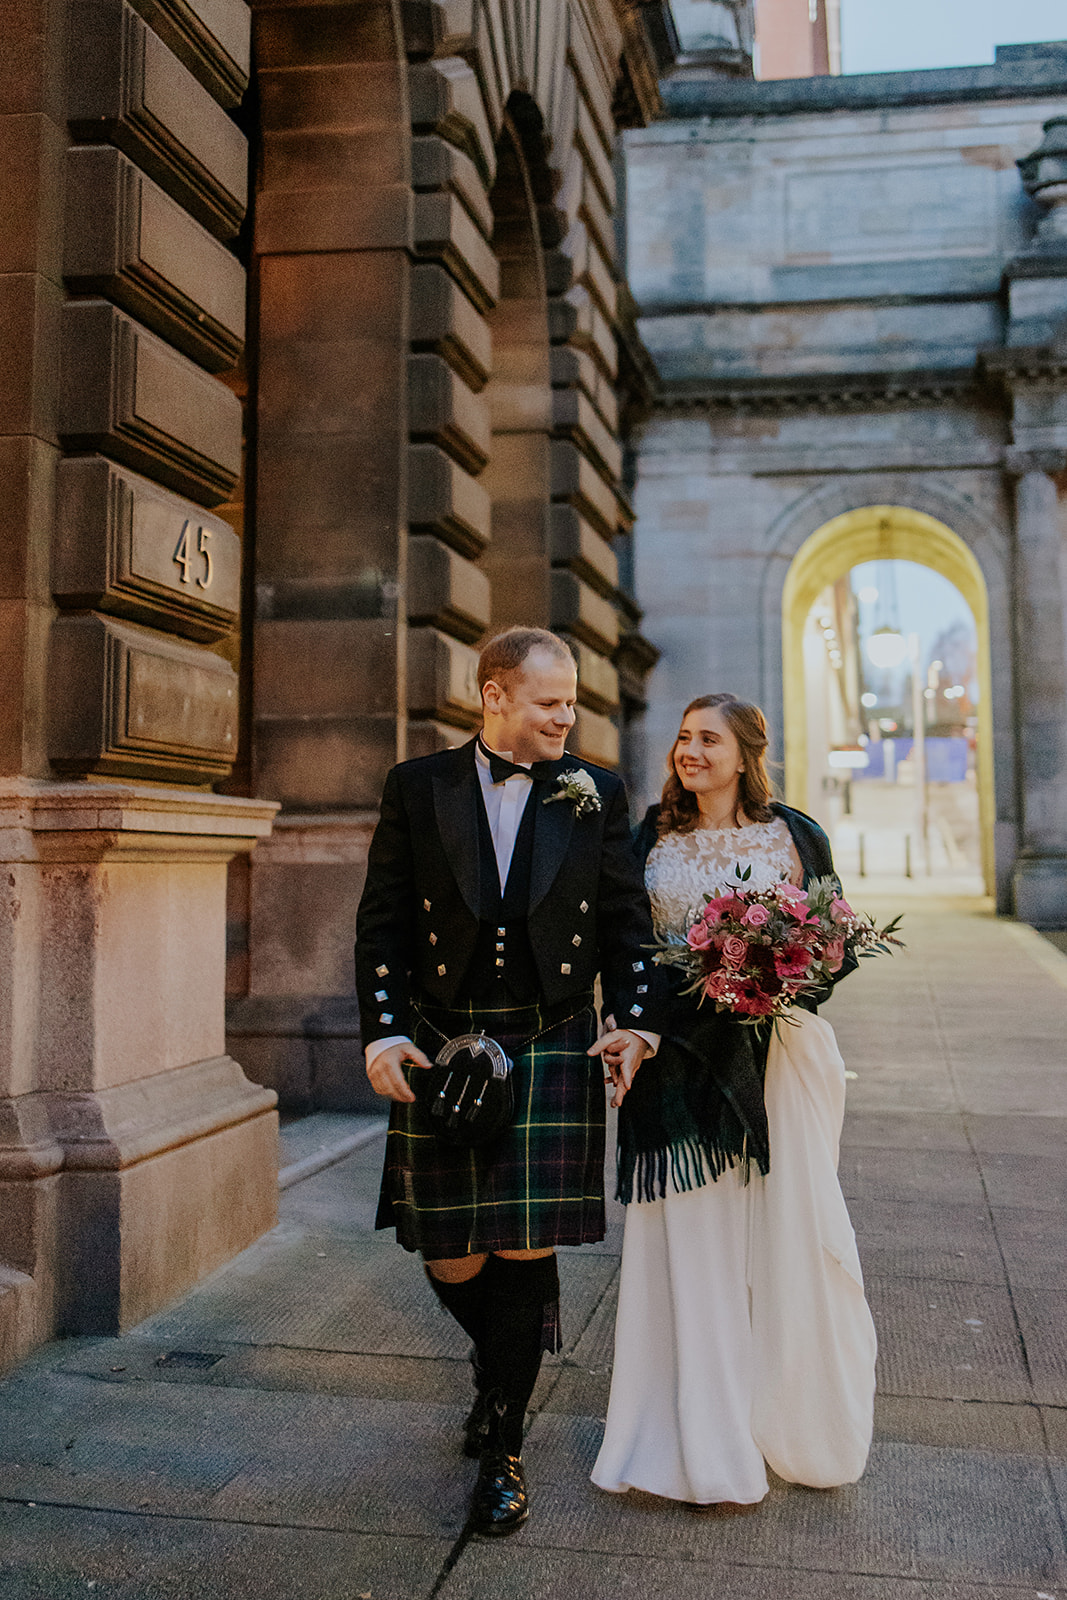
688	1163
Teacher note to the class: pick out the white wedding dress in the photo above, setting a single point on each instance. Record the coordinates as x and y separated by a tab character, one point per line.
743	1337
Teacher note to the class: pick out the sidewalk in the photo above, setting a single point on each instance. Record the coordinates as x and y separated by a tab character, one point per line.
289	1431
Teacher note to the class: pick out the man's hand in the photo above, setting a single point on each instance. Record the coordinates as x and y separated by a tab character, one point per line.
622	1052
386	1071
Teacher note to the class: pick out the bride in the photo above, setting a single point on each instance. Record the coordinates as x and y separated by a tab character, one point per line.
743	1337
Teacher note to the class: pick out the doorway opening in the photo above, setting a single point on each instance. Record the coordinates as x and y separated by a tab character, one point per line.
888	718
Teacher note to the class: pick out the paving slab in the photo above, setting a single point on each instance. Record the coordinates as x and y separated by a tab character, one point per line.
1043	1324
915	1239
902	1129
949	1177
918	1512
948	1341
488	1571
55	1553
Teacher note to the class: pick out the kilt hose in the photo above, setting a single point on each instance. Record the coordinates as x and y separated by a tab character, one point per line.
542	1182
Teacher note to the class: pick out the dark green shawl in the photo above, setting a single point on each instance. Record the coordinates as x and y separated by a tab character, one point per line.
697	1107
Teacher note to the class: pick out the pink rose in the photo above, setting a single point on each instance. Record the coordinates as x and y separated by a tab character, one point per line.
755	916
734	950
698	937
834	954
716	984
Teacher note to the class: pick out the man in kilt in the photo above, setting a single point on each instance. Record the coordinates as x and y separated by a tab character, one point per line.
500	881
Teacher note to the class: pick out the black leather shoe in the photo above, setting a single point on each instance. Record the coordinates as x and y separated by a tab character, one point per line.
476	1428
499	1505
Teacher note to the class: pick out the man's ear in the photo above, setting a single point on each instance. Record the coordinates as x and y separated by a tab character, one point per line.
492	697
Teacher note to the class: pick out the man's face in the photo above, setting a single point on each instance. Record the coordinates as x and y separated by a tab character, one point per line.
533	713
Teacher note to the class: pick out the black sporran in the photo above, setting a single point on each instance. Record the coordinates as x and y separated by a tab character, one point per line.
468	1092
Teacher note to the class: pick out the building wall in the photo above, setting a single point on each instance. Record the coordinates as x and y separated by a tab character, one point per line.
839	283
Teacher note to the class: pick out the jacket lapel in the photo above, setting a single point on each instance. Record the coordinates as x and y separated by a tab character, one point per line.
456	800
553	825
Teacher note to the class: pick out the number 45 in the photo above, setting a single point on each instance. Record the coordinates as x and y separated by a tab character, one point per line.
184	555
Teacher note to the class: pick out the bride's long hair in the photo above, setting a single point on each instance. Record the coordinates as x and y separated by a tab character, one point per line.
678	812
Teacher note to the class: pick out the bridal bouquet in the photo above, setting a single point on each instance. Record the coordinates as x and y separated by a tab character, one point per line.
756	951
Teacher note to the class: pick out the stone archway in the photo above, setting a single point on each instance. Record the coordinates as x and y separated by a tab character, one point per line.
518	477
884	532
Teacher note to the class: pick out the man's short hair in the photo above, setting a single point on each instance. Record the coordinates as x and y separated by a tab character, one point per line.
506	652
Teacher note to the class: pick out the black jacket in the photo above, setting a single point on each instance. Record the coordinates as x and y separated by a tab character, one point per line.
419	917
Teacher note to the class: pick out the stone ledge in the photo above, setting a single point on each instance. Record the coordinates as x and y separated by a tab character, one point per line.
108	1130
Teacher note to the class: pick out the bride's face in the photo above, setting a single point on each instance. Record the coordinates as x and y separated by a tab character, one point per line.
707	756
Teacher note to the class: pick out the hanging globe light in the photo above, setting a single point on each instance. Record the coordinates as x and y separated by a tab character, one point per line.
886	648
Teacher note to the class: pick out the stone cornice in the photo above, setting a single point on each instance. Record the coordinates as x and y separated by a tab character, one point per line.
1025	364
835	392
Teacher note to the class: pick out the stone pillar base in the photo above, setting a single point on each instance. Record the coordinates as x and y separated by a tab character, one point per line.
134	1155
1041	890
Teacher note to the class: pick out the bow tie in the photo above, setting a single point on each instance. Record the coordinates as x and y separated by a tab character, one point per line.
501	769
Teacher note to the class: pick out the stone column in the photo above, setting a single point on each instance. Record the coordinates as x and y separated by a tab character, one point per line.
134	1154
1041	646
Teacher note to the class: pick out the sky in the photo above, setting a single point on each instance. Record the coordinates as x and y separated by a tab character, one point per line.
912	598
894	35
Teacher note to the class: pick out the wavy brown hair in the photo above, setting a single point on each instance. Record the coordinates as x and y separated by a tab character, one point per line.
679	811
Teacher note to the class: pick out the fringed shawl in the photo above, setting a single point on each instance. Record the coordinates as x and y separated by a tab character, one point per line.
697	1107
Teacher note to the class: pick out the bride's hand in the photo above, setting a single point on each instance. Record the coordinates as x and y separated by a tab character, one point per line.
622	1053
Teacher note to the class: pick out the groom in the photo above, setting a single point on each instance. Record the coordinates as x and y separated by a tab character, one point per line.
500	881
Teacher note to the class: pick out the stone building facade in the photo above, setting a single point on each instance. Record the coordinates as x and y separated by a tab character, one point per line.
315	346
855	290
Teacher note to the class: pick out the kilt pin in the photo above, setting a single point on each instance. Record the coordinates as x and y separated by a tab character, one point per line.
442	948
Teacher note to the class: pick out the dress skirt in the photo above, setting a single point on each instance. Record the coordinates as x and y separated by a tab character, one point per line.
743	1336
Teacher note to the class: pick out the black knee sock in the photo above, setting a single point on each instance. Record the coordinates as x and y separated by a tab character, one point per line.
466	1303
521	1299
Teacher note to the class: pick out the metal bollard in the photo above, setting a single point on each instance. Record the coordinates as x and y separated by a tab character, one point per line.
907	855
863	855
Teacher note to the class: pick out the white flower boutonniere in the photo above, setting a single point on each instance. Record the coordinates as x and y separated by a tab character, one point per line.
577	787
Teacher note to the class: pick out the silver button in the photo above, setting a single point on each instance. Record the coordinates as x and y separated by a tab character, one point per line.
635	1011
500	932
386	1016
639	966
442	969
383	972
380	994
500	961
433	938
642	988
584	906
426	905
576	940
500	947
565	968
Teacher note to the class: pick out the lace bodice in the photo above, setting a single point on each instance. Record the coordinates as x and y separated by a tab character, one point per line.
683	867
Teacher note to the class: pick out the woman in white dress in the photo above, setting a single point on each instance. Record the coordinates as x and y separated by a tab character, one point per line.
743	1337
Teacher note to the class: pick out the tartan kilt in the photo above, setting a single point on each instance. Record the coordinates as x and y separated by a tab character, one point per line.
541	1183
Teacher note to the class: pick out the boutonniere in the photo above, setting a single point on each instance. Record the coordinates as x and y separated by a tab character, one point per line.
577	787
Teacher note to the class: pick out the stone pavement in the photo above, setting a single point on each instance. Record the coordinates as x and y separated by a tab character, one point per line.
289	1430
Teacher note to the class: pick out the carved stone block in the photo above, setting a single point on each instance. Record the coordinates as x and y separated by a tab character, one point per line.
598	681
435	164
442	679
125	392
131	91
446	590
575	544
576	480
576	609
445	500
211	37
128	240
446	99
595	737
445	232
129	703
575	418
444	411
445	321
123	545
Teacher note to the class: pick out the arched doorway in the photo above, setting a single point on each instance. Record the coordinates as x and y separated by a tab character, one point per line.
882	533
519	474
